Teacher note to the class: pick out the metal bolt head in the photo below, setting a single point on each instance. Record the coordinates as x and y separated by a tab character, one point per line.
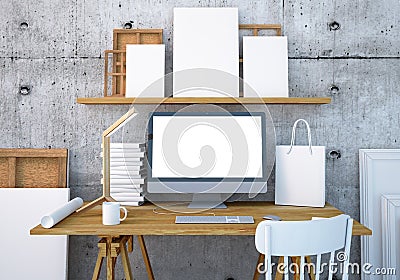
333	26
23	25
334	89
128	25
24	90
334	154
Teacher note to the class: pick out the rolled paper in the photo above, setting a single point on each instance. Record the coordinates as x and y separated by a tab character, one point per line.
61	213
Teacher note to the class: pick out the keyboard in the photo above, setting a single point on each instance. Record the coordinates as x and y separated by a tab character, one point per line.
214	220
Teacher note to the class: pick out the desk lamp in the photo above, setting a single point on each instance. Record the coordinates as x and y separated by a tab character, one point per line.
106	137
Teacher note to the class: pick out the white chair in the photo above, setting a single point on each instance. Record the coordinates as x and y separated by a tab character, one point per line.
305	238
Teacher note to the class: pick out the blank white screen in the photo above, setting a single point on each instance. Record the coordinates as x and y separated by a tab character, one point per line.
224	134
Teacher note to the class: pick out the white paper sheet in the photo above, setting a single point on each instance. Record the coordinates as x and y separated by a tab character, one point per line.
125	194
127	198
126	188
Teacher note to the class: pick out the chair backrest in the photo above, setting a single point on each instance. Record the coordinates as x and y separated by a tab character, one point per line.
304	238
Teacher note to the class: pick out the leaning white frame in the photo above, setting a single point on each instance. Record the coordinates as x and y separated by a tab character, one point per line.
390	203
367	156
214	29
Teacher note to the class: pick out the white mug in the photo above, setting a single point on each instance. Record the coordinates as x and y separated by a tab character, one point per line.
111	213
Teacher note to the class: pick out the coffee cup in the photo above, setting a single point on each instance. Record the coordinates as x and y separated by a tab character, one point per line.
111	213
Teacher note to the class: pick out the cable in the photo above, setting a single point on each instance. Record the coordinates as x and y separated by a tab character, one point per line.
155	210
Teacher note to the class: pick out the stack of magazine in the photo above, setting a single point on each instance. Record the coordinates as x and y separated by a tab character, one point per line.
127	173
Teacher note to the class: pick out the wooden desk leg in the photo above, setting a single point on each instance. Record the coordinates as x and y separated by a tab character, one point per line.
130	244
111	248
114	263
296	275
261	259
297	260
279	276
146	259
99	262
110	262
311	273
125	262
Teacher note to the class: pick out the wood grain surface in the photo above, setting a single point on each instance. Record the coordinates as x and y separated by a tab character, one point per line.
205	100
143	221
33	168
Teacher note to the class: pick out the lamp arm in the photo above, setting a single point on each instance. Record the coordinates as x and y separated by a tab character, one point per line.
106	165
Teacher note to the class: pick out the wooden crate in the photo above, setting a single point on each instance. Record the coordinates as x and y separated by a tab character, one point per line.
33	168
122	37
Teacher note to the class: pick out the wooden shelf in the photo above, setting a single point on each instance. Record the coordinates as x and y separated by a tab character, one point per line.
204	100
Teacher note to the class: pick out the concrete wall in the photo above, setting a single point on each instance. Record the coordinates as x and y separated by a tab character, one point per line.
59	53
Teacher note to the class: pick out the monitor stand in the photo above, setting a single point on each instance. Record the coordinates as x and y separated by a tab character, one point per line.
207	201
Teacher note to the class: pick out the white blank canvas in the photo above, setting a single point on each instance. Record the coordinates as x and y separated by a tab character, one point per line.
145	64
265	66
25	256
206	38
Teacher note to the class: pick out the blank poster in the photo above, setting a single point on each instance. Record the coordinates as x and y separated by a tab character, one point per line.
206	38
265	66
145	64
26	256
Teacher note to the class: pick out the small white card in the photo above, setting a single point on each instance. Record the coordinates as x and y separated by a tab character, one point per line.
265	66
145	70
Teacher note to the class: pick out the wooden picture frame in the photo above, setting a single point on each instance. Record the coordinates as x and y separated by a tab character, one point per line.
390	205
122	37
117	60
378	175
33	168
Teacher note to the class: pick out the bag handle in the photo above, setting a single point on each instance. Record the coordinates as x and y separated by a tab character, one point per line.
294	135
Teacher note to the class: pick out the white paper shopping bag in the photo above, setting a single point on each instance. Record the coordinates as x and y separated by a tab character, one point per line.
300	173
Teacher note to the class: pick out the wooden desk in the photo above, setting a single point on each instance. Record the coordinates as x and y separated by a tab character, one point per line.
143	221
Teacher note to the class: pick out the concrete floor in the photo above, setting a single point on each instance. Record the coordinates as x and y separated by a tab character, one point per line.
56	47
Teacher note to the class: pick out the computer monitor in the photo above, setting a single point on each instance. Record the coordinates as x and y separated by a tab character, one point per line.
210	155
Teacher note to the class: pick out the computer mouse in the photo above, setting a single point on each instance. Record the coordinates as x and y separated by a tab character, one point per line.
272	218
